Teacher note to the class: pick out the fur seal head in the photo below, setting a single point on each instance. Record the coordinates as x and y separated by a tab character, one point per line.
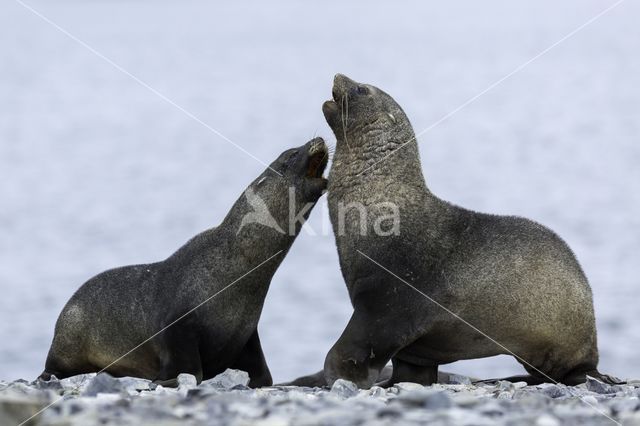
376	152
300	168
358	109
293	183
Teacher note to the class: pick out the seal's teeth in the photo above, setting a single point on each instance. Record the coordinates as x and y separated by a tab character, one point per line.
317	160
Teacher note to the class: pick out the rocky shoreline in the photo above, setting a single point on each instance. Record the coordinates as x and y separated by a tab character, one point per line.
226	400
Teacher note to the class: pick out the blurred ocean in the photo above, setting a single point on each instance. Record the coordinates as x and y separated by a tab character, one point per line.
96	171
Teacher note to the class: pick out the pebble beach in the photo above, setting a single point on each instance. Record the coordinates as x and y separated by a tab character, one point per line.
226	400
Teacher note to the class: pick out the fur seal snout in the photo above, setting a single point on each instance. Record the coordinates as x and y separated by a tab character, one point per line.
140	320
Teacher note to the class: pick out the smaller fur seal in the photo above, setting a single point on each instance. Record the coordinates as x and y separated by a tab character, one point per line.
508	277
113	314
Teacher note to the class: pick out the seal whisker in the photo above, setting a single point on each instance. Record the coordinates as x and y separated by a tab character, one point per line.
344	114
328	155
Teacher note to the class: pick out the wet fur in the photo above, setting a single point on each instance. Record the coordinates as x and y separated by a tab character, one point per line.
510	277
119	309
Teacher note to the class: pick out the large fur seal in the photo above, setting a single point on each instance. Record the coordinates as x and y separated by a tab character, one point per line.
508	277
114	312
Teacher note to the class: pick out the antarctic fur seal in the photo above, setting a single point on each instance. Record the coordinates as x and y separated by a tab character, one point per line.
453	284
106	324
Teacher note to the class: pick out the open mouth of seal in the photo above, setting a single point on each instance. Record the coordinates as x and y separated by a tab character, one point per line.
318	159
337	99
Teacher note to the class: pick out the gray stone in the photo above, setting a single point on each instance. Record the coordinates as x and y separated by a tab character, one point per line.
465	399
437	401
103	383
377	392
505	386
505	395
229	379
624	405
547	420
388	411
408	403
553	391
630	419
52	384
408	386
590	400
595	385
133	385
187	381
426	398
22	388
344	388
492	409
393	390
16	410
456	379
77	384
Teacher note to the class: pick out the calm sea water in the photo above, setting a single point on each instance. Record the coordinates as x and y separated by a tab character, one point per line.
97	171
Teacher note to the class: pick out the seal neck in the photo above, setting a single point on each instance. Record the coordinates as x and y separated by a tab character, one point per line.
371	155
259	223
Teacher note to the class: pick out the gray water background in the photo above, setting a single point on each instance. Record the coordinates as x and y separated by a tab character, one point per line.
96	171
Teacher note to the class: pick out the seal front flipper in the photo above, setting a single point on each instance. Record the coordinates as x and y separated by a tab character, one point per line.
252	361
371	338
384	379
317	380
360	353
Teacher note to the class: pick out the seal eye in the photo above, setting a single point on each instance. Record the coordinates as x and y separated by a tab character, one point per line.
358	91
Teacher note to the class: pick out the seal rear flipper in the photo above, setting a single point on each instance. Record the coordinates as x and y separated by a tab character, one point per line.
581	377
610	380
315	380
572	379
